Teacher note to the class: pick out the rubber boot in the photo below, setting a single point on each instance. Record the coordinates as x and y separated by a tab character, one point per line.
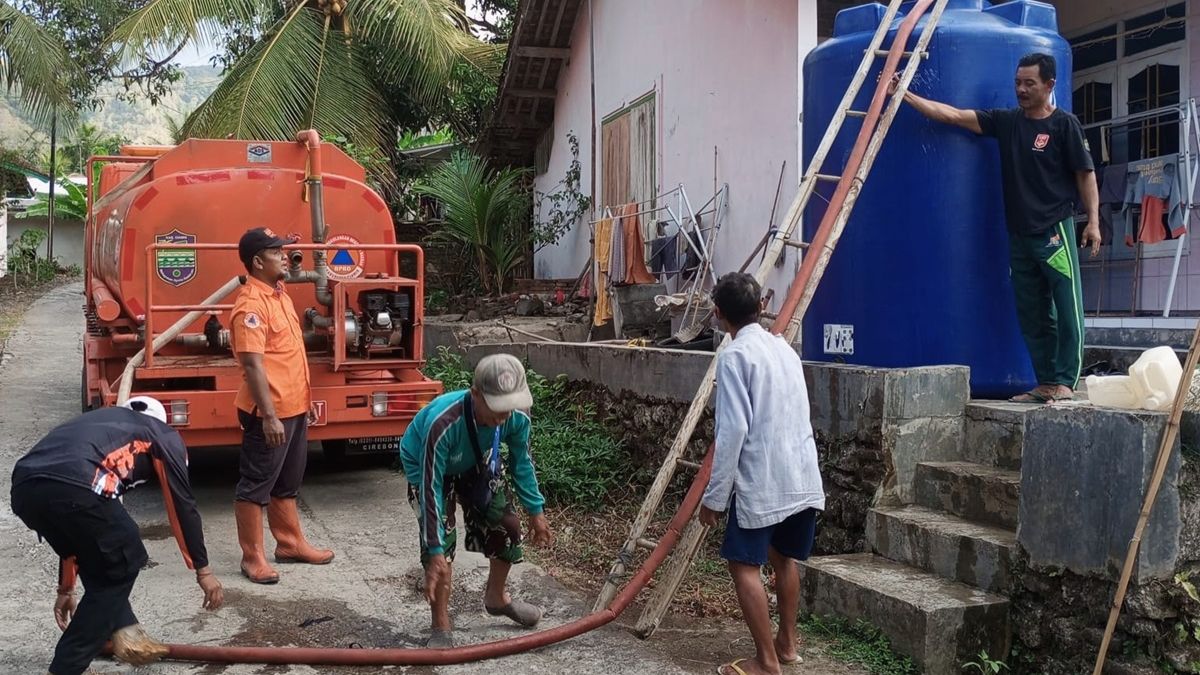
291	546
250	535
132	645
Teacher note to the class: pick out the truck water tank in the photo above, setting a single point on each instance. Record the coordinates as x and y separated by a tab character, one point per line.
920	276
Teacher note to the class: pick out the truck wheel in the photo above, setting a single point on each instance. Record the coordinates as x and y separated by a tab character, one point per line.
334	450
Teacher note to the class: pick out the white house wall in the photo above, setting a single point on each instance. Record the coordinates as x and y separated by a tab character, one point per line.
725	73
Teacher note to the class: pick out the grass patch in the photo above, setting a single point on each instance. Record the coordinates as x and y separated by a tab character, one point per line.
580	462
859	643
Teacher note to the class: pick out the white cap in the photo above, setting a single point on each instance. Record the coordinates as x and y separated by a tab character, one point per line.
501	380
147	406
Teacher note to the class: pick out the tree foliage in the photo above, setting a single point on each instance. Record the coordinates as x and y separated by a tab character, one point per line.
34	63
82	27
354	69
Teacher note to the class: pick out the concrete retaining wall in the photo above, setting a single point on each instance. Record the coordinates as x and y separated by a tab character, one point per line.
872	425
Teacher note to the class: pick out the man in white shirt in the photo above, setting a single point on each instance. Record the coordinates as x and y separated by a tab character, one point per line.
765	472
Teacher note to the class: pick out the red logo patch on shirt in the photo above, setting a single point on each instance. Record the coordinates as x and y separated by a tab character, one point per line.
252	320
1041	141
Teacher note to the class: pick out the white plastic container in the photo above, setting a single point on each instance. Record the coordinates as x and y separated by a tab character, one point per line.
1113	391
1156	373
1150	385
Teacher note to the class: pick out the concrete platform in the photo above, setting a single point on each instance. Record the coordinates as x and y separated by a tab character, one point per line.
976	492
946	545
937	622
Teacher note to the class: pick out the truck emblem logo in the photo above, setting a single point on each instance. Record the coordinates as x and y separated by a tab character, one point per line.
258	153
176	266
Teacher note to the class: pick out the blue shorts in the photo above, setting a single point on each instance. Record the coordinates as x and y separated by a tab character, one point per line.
793	538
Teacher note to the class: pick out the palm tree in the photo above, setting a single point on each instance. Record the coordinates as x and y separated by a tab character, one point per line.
322	64
482	209
34	63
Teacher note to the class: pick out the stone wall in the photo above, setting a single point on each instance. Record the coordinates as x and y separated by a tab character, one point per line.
872	425
1084	472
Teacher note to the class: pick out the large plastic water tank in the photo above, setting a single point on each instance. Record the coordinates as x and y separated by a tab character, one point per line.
920	276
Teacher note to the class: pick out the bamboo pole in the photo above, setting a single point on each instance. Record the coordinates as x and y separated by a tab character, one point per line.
1160	469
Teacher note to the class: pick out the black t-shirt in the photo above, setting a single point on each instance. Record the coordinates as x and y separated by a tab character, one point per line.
1038	161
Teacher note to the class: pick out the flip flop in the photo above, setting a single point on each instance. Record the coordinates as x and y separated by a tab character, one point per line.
1030	396
523	613
732	664
791	662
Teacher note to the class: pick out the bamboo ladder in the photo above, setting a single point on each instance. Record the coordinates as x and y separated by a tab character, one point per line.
787	322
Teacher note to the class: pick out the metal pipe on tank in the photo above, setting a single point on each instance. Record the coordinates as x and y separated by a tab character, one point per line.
192	340
170	334
316	199
107	307
316	319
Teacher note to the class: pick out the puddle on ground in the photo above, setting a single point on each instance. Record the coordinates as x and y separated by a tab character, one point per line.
312	622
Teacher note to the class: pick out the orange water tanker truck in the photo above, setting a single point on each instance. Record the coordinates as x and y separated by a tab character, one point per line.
161	271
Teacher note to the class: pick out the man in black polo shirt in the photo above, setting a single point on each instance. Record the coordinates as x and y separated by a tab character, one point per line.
1044	165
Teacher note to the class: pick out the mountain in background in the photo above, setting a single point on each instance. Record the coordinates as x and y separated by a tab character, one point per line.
140	121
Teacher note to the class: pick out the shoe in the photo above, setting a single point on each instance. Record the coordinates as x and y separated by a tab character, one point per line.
523	613
250	536
132	645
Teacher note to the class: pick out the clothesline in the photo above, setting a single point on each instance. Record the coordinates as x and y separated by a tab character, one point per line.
1125	120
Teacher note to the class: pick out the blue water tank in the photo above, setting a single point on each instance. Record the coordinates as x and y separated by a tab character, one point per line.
920	275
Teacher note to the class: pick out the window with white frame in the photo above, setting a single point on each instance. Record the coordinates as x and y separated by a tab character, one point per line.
1131	66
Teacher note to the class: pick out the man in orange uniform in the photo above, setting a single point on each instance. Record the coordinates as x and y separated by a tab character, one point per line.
274	405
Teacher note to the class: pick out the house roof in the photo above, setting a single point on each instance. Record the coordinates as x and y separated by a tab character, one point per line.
537	57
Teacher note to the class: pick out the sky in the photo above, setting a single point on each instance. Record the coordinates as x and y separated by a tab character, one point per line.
195	55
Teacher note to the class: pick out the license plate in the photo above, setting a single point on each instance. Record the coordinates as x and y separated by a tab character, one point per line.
322	414
373	445
839	339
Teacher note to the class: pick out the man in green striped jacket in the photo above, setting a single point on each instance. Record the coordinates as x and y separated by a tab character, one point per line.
451	453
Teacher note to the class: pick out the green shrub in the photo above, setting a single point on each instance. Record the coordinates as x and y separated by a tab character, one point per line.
859	643
579	461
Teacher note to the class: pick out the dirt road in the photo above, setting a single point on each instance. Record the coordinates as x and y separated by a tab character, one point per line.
365	598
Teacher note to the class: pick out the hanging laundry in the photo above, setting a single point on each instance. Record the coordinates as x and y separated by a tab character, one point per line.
634	245
664	257
1112	198
1151	230
1159	178
616	261
602	253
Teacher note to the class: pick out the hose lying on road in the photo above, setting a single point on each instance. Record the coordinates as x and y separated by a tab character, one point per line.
487	650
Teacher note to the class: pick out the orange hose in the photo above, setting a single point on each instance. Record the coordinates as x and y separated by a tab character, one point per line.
486	650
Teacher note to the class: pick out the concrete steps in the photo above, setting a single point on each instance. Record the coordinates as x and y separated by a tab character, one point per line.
976	492
937	570
943	544
995	433
939	623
